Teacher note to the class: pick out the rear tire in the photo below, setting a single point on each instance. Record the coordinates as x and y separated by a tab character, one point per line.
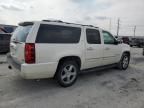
67	73
124	62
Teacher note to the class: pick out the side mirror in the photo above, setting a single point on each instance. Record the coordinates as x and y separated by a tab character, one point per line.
118	42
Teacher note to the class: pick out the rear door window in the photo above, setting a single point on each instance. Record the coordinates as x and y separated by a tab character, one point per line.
93	36
58	34
21	33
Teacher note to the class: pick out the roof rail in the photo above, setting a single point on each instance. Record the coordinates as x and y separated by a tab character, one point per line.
90	26
52	20
80	24
72	23
67	23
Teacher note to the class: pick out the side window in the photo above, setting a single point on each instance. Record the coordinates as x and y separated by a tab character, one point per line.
93	36
58	34
108	38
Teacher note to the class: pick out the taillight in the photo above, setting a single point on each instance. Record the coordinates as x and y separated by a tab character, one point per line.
30	53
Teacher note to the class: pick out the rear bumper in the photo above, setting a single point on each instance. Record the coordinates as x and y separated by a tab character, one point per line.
33	71
13	63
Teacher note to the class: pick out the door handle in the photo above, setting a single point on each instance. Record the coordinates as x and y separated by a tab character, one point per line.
107	48
90	48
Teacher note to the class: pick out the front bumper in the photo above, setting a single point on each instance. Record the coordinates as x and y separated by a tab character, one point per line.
33	71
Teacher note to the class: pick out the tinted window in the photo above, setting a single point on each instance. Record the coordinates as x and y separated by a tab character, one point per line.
1	31
58	34
108	38
93	36
9	29
1	37
21	33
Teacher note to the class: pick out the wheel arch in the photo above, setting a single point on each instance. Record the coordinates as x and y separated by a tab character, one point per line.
75	58
62	59
127	52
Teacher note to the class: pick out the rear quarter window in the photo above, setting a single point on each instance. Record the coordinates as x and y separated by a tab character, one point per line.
58	34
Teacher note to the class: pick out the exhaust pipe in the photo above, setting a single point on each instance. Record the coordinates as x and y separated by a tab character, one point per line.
9	67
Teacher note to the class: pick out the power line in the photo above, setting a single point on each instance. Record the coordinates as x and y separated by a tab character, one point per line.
132	25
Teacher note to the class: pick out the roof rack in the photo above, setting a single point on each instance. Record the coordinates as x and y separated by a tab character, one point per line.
90	26
68	23
52	20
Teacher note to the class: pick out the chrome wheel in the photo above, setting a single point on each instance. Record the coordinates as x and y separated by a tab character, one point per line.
68	74
125	61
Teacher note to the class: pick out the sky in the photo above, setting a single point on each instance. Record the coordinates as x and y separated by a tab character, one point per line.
100	13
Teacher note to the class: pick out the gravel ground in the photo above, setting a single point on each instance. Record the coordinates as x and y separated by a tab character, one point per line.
109	88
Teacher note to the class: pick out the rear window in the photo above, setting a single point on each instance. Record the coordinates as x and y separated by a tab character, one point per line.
21	33
58	34
1	32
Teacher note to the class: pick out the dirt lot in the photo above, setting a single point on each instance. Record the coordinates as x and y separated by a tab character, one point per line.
109	88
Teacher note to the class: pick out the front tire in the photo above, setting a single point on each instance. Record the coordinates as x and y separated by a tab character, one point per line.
124	62
67	73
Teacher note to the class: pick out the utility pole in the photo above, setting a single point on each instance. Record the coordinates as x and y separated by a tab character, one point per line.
110	24
134	30
118	24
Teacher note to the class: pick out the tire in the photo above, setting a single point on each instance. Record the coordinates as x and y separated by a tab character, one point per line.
124	62
67	73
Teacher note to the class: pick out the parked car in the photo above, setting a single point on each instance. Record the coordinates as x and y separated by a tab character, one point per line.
141	43
8	28
2	30
46	49
125	40
4	41
138	42
132	42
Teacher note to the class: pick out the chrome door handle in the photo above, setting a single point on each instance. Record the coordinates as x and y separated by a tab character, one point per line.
107	48
90	48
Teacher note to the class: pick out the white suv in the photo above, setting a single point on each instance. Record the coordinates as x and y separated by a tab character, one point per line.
45	49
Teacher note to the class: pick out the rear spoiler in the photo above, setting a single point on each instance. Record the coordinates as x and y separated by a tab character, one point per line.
26	23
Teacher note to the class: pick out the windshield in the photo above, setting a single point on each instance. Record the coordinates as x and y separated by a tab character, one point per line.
21	33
